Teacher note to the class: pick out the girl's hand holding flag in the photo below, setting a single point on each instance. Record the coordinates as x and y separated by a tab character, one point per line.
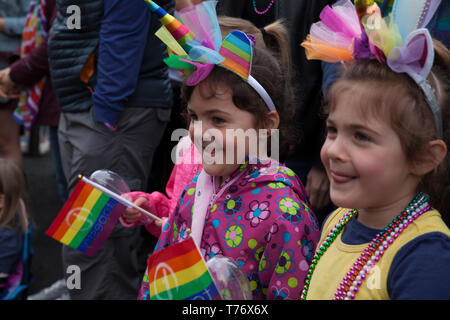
133	215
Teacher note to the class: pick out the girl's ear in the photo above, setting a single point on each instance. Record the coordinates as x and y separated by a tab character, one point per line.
271	121
433	155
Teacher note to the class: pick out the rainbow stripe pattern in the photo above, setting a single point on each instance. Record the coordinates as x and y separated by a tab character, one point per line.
178	272
237	50
179	32
86	219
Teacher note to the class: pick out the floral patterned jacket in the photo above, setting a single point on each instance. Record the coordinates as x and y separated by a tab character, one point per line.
259	217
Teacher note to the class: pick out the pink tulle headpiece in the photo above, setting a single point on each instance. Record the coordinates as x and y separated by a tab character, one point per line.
350	32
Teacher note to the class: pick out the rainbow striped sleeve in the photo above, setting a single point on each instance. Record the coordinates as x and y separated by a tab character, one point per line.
86	219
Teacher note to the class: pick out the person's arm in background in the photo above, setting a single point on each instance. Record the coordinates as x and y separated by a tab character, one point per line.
123	37
12	26
30	69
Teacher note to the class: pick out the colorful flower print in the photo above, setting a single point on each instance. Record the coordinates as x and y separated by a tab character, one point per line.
175	231
273	229
233	235
307	249
280	294
162	244
231	205
250	177
285	263
289	209
211	250
286	171
259	211
244	166
182	232
280	185
264	262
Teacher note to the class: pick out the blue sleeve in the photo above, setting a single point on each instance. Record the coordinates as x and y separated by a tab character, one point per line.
330	73
10	249
123	37
14	26
419	271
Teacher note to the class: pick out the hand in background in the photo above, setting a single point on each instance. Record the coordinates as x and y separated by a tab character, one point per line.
2	25
318	188
8	89
181	4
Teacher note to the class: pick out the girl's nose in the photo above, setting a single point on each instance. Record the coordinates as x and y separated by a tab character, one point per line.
335	149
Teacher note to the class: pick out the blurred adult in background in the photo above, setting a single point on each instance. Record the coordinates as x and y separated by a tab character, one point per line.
12	20
116	98
28	79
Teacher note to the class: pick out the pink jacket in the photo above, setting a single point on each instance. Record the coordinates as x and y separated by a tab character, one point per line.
259	217
188	164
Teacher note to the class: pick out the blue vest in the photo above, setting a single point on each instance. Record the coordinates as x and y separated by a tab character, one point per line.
70	51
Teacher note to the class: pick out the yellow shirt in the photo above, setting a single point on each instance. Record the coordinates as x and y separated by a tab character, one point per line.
340	257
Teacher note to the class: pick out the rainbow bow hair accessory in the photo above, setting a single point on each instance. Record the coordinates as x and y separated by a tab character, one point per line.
348	32
195	45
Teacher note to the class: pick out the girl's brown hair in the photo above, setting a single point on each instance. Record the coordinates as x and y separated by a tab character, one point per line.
399	99
270	65
12	188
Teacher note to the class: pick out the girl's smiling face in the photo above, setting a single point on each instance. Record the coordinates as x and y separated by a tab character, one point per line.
364	158
215	113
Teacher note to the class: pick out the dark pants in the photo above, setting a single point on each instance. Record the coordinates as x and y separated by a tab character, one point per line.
116	271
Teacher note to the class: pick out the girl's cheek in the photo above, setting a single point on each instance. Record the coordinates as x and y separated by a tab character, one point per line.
324	154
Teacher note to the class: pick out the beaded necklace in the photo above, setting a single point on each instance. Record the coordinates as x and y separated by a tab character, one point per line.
265	10
348	288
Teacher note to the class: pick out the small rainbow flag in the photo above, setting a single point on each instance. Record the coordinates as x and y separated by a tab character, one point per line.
179	272
87	218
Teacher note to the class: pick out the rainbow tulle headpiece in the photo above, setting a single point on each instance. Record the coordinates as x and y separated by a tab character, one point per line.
195	45
350	32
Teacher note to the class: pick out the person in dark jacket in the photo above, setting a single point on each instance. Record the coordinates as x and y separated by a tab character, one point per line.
28	70
12	20
116	99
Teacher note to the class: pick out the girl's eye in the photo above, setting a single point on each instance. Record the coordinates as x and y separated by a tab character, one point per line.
362	137
218	120
331	130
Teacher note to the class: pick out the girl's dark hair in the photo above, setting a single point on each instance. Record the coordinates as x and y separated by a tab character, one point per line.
398	98
270	69
13	189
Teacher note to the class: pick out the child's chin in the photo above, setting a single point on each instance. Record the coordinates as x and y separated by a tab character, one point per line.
213	169
341	201
219	170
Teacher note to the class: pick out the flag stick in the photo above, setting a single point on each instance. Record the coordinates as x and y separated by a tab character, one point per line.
117	197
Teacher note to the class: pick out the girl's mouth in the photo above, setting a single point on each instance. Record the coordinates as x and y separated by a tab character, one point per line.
340	178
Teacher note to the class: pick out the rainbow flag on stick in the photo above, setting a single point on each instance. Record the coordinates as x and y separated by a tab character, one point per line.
88	217
179	272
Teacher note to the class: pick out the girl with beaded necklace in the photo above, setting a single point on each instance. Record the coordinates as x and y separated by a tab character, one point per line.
386	156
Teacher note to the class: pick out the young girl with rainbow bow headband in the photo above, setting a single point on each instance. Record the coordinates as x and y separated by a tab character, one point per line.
255	213
385	154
